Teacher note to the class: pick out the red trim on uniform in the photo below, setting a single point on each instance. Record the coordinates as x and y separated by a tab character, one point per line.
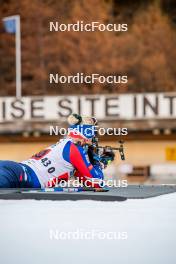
90	167
63	176
21	177
78	162
41	154
56	180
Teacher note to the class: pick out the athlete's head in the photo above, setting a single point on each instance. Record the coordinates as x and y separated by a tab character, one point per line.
82	128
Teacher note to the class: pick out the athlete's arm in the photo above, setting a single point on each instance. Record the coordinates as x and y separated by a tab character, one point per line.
77	156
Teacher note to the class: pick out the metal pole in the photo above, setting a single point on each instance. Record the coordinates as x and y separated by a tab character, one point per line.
18	57
17	52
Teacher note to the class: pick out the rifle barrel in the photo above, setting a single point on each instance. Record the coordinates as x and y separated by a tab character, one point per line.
110	147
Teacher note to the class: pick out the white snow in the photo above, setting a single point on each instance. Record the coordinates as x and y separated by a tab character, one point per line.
145	231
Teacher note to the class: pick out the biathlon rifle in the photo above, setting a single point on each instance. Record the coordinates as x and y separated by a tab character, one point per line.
106	149
100	150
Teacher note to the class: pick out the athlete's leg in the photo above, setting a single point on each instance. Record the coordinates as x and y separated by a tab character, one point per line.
11	174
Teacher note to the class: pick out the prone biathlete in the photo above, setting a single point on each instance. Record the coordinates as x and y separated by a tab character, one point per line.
58	162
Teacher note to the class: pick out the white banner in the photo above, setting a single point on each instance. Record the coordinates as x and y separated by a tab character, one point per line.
104	107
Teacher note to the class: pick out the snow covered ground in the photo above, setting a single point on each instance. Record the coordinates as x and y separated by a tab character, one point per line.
134	231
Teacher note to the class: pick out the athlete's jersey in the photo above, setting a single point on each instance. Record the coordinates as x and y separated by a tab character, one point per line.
59	162
49	163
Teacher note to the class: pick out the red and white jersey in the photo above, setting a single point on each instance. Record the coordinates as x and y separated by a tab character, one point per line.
59	161
50	164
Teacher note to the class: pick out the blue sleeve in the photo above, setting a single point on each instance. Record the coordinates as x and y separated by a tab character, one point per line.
78	157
